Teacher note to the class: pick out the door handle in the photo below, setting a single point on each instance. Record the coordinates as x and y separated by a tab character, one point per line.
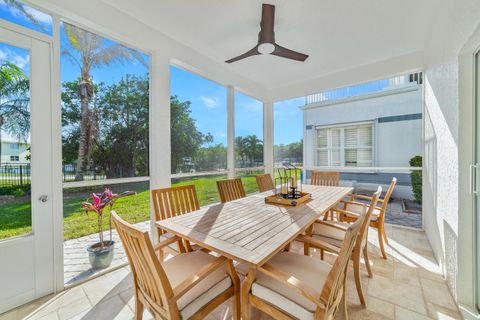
43	198
474	178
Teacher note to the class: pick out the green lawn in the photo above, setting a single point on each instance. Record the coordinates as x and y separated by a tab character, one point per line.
15	218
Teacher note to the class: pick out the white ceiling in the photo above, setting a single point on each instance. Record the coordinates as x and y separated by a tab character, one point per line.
337	34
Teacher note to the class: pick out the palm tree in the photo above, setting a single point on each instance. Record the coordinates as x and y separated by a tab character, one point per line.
254	147
14	4
14	102
91	51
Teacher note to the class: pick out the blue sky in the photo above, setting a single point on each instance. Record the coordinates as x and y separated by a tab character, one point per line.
208	99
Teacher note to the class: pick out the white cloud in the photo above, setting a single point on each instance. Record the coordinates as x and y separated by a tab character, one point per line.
39	16
20	61
210	102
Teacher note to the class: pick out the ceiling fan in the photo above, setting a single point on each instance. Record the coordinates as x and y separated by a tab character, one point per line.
266	40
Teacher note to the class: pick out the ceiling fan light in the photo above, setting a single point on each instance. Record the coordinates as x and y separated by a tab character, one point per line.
266	48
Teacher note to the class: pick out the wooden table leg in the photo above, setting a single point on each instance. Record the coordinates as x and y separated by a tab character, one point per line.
247	285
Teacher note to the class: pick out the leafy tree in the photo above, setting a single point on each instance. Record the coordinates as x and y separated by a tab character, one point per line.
292	152
89	51
211	158
254	148
248	150
14	102
121	148
185	137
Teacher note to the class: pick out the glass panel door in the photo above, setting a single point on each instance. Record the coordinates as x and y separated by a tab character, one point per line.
26	233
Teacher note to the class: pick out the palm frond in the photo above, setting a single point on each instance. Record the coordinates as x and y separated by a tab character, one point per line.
14	4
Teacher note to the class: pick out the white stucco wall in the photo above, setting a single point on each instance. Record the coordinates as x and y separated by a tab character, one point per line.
455	25
396	142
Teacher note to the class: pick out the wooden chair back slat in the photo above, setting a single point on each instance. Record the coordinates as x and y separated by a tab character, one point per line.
320	178
171	202
230	190
362	238
388	194
149	277
264	182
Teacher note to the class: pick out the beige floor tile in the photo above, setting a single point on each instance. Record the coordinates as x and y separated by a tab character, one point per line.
73	309
399	293
385	308
406	274
442	313
438	293
405	314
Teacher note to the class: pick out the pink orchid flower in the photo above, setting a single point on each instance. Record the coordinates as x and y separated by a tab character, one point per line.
97	201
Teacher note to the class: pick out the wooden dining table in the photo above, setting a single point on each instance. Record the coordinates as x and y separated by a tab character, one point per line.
249	230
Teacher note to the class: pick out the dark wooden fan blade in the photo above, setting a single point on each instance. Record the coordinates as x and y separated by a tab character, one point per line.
251	52
267	33
289	54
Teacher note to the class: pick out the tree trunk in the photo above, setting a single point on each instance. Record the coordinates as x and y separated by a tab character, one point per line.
82	144
85	94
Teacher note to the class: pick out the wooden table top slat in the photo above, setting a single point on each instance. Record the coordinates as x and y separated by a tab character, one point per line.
248	229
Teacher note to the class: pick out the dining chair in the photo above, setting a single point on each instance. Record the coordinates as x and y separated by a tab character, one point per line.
329	235
187	286
264	182
171	202
231	189
352	209
324	178
294	286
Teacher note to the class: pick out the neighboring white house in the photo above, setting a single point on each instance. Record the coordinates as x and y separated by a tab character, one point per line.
382	128
14	153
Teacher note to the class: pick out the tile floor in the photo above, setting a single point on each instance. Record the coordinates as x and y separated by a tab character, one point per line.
407	286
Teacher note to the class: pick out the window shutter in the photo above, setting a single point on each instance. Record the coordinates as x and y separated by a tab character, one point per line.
322	157
335	136
365	136
322	138
350	138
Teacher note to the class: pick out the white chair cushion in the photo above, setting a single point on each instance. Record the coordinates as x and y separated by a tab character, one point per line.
309	270
357	210
180	267
329	234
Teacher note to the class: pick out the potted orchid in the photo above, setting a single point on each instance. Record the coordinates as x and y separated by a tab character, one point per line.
101	253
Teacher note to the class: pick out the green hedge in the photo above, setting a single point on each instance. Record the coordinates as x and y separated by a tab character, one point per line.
16	191
416	177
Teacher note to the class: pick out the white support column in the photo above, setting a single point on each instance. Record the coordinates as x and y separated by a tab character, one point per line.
231	132
268	137
159	136
57	181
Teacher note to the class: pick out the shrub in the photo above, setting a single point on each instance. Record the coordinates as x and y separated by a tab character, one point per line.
12	191
18	193
416	178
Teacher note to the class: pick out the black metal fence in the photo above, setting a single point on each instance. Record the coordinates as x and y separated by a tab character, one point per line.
12	176
15	175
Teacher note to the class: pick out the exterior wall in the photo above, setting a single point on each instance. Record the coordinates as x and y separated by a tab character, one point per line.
8	151
443	221
396	115
396	139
